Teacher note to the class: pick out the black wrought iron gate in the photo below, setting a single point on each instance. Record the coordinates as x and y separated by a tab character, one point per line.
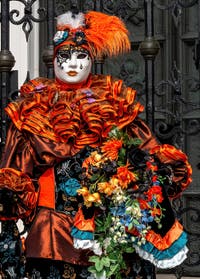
164	67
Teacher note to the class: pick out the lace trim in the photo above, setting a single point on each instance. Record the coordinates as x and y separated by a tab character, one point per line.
93	245
167	253
166	263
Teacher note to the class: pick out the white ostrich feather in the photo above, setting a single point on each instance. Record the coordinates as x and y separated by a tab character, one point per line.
75	21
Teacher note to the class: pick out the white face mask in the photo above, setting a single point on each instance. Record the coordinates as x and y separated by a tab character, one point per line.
72	66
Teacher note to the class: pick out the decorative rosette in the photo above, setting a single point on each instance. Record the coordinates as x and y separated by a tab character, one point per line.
126	208
18	195
60	37
79	38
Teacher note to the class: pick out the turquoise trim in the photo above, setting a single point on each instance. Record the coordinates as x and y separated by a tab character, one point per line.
83	235
70	187
167	253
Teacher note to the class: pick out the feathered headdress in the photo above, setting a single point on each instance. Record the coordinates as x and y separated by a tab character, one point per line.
99	33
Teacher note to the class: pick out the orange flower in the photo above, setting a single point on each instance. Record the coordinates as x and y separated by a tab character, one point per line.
125	177
111	148
155	191
83	191
143	204
155	211
106	188
152	167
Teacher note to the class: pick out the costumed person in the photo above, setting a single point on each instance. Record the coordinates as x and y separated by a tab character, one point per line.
84	172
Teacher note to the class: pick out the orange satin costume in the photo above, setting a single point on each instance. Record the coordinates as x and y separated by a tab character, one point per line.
51	122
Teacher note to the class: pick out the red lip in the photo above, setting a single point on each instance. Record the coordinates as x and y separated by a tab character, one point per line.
72	73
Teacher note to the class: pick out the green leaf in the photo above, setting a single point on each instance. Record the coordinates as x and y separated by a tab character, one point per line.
122	154
113	268
135	222
92	269
99	265
129	249
93	259
130	226
94	177
118	276
134	141
106	261
113	257
99	222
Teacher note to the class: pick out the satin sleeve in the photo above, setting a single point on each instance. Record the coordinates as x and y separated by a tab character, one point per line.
173	160
17	153
18	196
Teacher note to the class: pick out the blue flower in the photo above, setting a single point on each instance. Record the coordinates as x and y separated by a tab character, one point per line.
118	210
70	186
140	227
146	217
126	220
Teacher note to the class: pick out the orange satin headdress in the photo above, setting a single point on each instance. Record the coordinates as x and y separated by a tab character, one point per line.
99	33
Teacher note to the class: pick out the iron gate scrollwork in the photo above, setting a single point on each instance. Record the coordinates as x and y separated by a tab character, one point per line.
164	67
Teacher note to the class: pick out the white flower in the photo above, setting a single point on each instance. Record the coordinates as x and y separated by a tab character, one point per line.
115	238
118	234
106	242
123	241
133	238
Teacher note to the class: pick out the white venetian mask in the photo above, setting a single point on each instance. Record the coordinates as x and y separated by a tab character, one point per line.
72	66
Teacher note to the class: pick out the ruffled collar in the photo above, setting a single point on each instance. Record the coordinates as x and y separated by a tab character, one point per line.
83	115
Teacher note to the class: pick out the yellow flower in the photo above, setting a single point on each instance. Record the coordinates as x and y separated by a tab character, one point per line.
114	181
92	198
88	197
83	191
95	159
106	188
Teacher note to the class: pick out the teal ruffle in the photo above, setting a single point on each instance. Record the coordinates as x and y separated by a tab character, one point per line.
70	187
167	253
83	235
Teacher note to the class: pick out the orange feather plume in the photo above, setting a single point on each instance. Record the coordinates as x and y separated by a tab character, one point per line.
105	35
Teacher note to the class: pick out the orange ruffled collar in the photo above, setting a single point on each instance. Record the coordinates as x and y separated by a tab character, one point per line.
83	116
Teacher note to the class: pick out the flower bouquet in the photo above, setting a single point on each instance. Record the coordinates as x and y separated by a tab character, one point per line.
121	183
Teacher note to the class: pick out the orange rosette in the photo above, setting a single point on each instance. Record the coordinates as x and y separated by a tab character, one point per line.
24	203
168	153
181	169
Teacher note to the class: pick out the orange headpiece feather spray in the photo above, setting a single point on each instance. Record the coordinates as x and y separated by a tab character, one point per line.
99	33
